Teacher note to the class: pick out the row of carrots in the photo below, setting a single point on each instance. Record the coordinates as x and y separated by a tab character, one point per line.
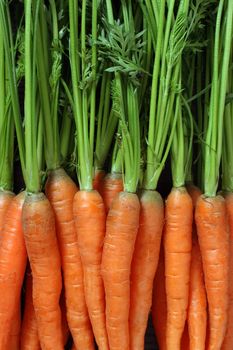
134	90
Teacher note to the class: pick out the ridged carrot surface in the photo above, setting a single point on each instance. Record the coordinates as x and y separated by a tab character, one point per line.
45	262
90	219
111	186
61	190
144	265
13	258
228	339
213	237
121	231
177	245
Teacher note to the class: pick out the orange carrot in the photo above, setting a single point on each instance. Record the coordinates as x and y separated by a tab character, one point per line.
213	236
43	253
178	245
194	193
13	260
29	333
98	180
197	311
159	305
144	265
5	200
228	339
89	214
122	227
13	342
111	186
61	190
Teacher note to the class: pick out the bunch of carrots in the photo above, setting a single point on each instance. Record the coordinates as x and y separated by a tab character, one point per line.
118	119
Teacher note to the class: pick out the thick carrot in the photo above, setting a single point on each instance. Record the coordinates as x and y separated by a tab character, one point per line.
61	190
197	311
44	257
98	180
213	236
13	342
121	231
89	215
5	200
29	332
178	245
111	186
159	304
228	339
13	259
144	265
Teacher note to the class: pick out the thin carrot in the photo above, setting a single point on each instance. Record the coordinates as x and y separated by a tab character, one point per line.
178	244
197	310
213	236
13	259
111	186
144	264
29	332
121	231
13	342
61	190
89	215
159	305
98	180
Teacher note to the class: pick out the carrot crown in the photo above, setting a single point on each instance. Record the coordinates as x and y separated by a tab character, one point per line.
221	58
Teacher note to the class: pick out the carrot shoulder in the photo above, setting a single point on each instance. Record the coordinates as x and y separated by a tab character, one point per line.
144	265
60	189
213	236
13	260
44	257
178	245
112	185
122	226
90	219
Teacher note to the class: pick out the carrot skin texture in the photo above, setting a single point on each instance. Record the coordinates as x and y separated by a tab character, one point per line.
13	342
5	200
178	245
121	231
197	311
90	219
112	185
44	257
159	302
13	259
144	265
228	340
213	237
60	189
29	332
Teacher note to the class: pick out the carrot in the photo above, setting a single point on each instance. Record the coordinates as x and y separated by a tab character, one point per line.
159	304
122	225
185	338
89	215
43	253
5	200
112	184
144	265
13	259
213	236
228	339
177	244
61	190
194	193
29	332
197	311
98	180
